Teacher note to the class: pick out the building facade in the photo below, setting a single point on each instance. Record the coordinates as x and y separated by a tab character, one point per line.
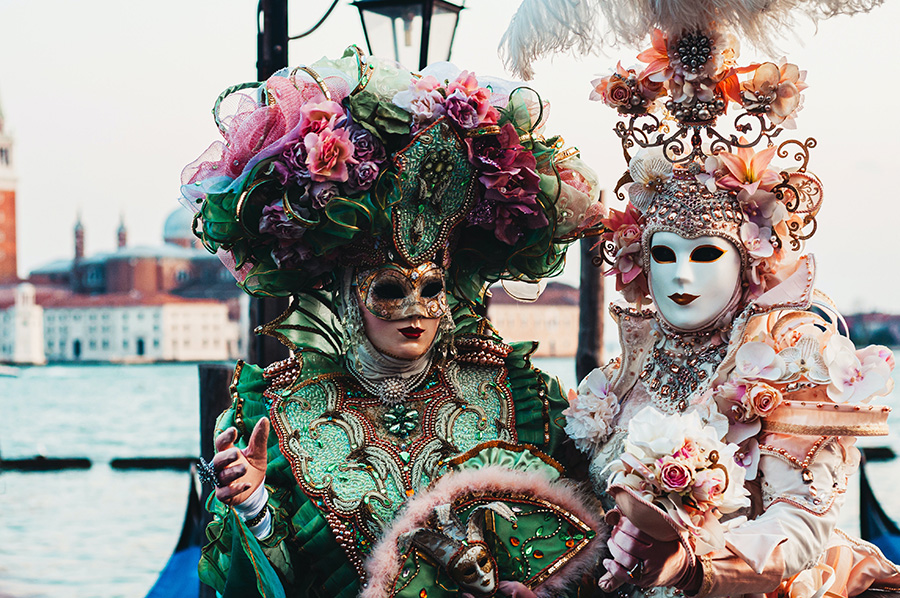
552	320
22	328
128	328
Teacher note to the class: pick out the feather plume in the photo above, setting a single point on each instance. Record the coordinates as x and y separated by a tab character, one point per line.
543	26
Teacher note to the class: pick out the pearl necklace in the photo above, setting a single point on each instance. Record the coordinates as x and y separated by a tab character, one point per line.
391	390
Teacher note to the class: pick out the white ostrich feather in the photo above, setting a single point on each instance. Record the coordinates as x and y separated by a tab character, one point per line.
543	26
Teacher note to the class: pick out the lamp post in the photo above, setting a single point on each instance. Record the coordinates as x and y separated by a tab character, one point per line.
409	30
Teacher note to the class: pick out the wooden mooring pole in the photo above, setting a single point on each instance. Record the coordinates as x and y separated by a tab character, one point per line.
591	307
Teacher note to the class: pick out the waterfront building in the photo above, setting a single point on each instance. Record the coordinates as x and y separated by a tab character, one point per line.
552	320
173	302
131	327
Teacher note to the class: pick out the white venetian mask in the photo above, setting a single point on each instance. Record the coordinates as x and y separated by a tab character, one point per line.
692	280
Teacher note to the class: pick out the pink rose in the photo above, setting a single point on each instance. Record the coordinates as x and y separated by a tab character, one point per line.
328	153
763	399
618	93
479	98
628	234
675	475
315	118
689	450
426	83
709	486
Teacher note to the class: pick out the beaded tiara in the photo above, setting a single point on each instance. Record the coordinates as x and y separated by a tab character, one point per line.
692	173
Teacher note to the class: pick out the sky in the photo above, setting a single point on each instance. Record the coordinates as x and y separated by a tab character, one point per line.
108	100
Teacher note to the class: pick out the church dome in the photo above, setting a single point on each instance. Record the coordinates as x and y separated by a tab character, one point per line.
177	229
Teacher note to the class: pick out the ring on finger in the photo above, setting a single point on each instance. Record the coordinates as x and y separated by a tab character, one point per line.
637	571
208	474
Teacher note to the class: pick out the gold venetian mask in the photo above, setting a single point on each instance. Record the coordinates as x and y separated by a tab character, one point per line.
394	292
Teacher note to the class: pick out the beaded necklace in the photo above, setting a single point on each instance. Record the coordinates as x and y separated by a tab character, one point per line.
680	363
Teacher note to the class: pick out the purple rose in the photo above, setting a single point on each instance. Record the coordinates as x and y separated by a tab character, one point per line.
460	111
291	256
366	147
321	193
362	176
294	154
276	222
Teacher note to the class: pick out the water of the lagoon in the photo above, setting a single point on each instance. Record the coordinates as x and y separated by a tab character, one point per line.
104	533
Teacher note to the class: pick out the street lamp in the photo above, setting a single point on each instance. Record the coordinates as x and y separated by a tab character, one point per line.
405	29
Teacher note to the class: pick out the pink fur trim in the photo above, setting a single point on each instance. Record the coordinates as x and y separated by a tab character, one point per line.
384	563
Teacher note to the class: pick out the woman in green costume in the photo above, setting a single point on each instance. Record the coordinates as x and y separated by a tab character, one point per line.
413	450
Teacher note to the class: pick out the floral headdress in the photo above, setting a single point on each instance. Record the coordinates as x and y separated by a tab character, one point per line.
357	161
687	176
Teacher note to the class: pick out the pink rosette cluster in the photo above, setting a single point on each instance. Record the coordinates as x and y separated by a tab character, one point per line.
682	465
749	393
462	100
626	91
624	230
699	74
805	349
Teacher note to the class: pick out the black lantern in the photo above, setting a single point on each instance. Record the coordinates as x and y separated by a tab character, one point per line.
405	29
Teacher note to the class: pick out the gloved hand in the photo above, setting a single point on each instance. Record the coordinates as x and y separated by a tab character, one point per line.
514	589
643	561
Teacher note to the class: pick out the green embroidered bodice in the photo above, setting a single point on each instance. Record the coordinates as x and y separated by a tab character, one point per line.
359	459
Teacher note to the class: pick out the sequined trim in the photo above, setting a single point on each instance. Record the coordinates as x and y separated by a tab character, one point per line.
516	448
706	584
237	399
283	374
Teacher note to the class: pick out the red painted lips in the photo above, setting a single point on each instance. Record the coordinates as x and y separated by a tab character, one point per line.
412	332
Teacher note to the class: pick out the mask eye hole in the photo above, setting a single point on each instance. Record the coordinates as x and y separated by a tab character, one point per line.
706	253
387	290
662	254
432	289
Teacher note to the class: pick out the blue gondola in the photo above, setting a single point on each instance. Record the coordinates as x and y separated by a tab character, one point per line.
874	524
179	578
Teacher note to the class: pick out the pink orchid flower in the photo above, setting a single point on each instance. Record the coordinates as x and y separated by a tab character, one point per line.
756	360
657	58
856	376
756	240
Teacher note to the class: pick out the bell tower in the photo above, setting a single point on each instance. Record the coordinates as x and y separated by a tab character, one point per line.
8	257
